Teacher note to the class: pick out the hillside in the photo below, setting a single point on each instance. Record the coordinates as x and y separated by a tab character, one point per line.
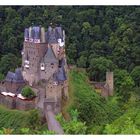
86	112
13	119
101	116
21	122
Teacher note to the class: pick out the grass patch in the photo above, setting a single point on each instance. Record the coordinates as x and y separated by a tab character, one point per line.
14	119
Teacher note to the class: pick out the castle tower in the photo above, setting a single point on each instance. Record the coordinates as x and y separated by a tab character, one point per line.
43	54
33	51
110	82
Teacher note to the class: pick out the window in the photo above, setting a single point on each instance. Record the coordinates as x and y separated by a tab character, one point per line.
52	65
60	63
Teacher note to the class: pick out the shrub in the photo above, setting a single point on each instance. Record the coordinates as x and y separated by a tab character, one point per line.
128	123
136	75
27	92
2	76
74	126
89	104
13	119
34	120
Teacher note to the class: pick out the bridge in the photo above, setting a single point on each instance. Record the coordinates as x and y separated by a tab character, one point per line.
48	107
53	124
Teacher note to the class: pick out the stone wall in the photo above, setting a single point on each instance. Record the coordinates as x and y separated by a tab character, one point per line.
16	103
13	87
54	103
35	52
25	104
106	87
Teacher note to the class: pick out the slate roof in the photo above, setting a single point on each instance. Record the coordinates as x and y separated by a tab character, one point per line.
15	77
53	34
61	74
50	56
36	32
55	77
59	32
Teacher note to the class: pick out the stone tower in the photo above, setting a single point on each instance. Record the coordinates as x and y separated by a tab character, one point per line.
43	53
109	82
43	59
34	49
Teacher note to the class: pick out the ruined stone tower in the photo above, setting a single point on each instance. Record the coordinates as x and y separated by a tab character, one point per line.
109	82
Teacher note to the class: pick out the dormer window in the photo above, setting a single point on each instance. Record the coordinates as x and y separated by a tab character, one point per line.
42	66
55	83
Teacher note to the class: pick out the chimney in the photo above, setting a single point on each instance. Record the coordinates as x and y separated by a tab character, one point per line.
110	82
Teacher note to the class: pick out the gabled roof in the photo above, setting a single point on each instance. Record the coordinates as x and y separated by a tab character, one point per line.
62	62
10	75
18	74
59	32
53	34
61	74
15	77
50	56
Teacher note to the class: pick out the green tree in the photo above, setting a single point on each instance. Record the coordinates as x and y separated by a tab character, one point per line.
123	83
126	124
34	120
28	92
135	74
2	76
8	62
98	67
82	62
73	126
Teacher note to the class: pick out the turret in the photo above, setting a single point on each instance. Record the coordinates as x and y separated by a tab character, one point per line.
35	34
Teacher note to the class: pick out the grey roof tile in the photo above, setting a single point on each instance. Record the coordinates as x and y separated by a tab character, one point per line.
50	56
15	77
61	75
53	34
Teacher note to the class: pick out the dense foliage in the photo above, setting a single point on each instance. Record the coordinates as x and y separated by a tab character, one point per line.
92	109
28	92
15	119
116	115
73	126
21	122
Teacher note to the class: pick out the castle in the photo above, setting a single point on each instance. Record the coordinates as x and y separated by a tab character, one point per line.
44	67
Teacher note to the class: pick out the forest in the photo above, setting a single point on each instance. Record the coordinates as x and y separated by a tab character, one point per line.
98	39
